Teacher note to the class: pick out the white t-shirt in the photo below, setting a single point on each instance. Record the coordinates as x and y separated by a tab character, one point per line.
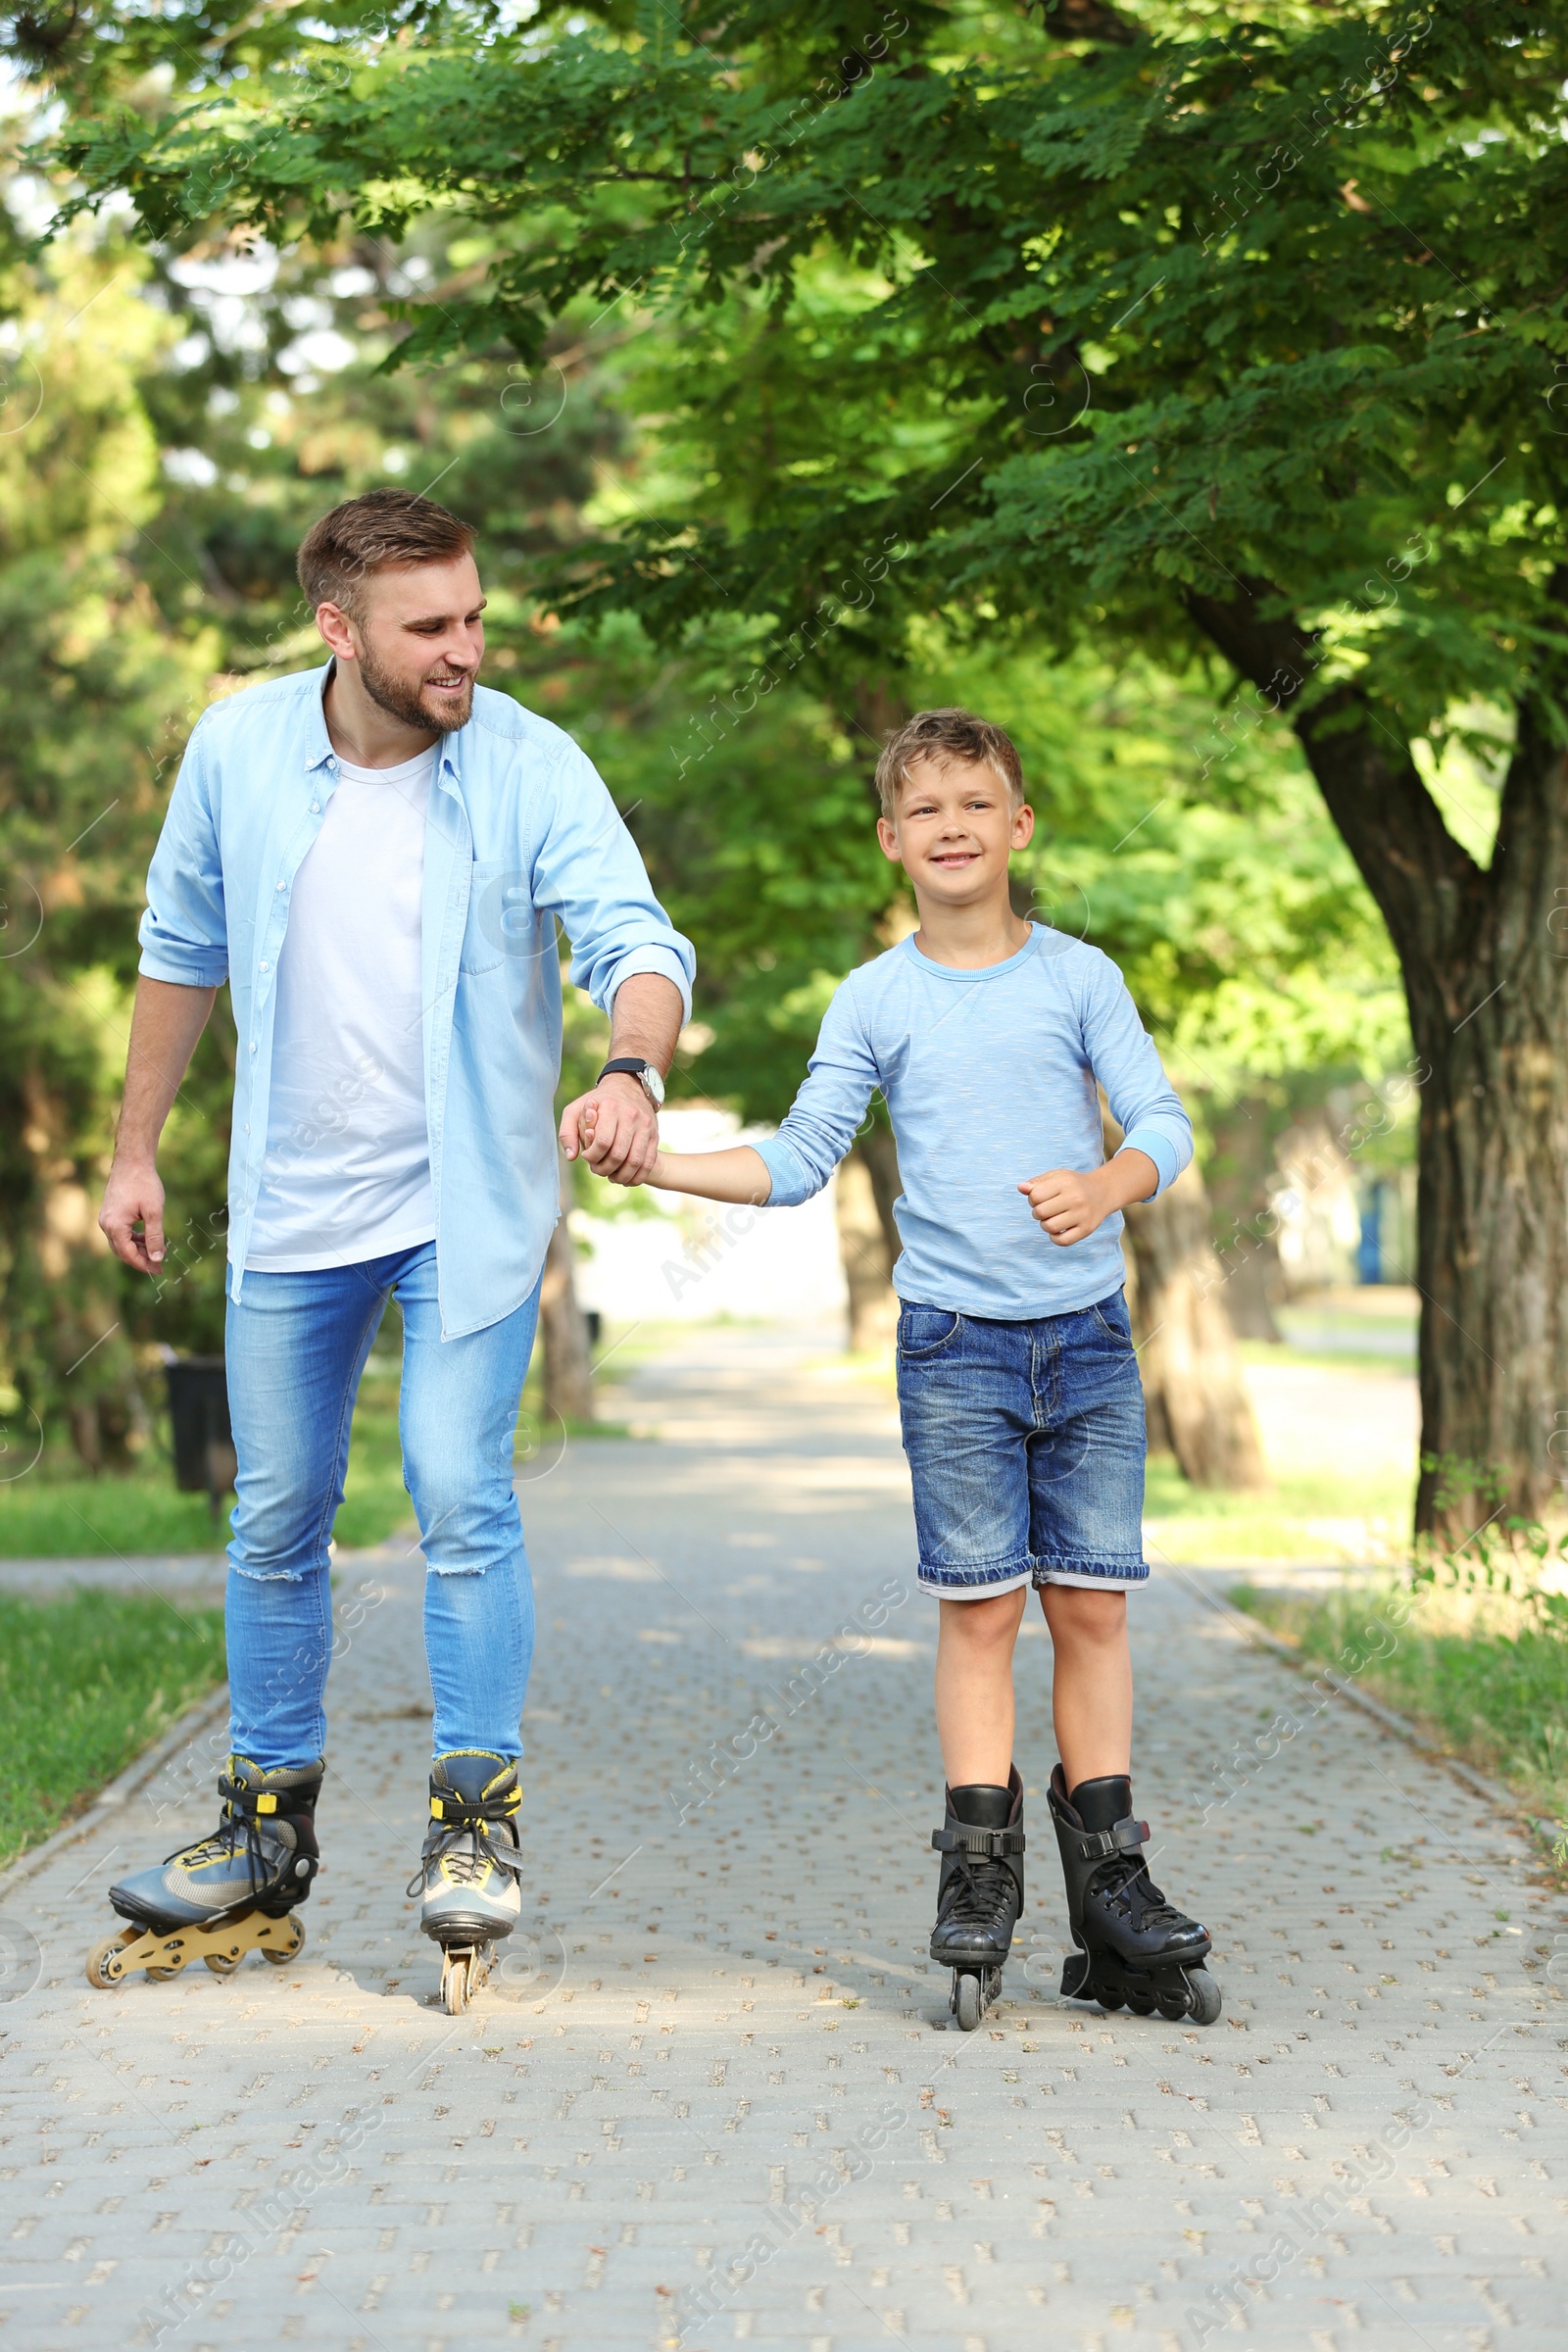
347	1174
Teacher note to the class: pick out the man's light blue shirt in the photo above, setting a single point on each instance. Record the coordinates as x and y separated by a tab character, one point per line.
521	832
990	1078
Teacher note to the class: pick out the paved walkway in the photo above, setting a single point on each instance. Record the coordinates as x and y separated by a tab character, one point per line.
713	2098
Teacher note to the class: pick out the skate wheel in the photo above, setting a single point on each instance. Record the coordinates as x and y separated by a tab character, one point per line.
1174	2006
455	1983
223	1964
100	1970
1140	2000
1206	2002
1107	1996
967	2003
161	1976
282	1958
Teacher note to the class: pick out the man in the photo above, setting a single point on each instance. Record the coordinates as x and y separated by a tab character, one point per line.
374	856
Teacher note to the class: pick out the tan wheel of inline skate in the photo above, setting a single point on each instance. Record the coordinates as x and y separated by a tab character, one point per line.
229	1893
465	1970
223	1944
468	1870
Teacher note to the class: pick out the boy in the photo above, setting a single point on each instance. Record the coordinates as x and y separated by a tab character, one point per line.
1018	1392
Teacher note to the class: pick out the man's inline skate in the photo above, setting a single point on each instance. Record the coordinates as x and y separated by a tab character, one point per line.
1134	1949
980	1893
229	1893
470	1866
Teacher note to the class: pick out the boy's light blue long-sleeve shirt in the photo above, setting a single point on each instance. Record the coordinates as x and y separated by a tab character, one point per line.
989	1078
519	831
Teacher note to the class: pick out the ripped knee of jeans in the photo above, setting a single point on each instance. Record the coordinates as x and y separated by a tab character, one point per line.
256	1573
494	1554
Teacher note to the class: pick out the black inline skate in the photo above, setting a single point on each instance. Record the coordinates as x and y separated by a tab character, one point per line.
1135	1950
229	1893
470	1866
980	1893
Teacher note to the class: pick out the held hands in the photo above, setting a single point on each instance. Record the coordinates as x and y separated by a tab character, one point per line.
615	1128
1071	1204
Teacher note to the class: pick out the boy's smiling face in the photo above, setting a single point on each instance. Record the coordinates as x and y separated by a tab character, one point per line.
954	828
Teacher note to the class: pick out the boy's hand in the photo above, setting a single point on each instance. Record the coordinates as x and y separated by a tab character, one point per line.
1067	1203
614	1128
1071	1204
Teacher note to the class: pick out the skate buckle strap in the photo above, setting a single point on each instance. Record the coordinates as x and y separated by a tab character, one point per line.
994	1845
244	1801
467	1813
1125	1838
244	1805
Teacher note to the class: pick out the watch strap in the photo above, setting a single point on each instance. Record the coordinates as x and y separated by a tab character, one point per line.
638	1066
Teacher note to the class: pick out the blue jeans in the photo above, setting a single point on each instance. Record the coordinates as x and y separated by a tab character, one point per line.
1026	1448
297	1344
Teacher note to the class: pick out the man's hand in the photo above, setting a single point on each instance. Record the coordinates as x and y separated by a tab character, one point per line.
1071	1204
164	1025
616	1127
134	1195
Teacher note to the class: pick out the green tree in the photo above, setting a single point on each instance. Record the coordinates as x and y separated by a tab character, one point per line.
1241	341
96	693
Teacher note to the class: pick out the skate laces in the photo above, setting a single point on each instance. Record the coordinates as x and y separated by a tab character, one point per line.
444	1850
222	1845
1125	1884
979	1894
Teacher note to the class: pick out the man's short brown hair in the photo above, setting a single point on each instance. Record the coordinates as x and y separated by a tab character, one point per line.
944	735
384	531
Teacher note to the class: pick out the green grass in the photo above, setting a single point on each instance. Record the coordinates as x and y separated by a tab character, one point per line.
1210	1526
1328	1358
55	1513
1499	1701
61	1517
86	1682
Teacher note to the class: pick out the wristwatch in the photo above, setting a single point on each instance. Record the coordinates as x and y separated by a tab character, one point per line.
644	1073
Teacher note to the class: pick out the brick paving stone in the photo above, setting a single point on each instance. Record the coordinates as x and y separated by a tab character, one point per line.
712	2098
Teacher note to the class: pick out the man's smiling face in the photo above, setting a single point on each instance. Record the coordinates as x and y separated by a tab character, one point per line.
420	642
955	827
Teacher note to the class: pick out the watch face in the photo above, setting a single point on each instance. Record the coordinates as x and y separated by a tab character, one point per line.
655	1084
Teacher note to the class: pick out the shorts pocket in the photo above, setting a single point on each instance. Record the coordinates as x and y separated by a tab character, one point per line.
1112	1316
927	1329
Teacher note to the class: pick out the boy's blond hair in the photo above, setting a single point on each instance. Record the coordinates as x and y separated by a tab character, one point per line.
944	735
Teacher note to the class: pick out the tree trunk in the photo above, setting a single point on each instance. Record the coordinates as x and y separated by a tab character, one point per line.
1485	980
1192	1387
569	1364
1484	954
868	1178
1492	1259
880	1153
1237	1174
863	1248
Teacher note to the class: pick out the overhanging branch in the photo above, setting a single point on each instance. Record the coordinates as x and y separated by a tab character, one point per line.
1430	891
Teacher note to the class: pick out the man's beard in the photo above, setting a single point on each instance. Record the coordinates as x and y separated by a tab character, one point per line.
402	702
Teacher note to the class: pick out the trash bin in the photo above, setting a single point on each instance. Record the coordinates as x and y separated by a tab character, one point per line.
204	1444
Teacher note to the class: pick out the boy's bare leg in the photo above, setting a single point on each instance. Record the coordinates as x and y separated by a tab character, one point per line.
1092	1692
975	1641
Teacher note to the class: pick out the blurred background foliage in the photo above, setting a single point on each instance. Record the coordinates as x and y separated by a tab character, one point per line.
174	422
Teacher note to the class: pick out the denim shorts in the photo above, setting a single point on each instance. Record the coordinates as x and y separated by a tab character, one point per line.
1026	1446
